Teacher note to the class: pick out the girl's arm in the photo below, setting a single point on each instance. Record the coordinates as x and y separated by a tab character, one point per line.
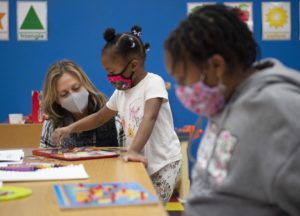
87	123
151	111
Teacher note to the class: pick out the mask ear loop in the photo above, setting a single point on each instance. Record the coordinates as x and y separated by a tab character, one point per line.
132	72
203	76
221	85
191	139
220	82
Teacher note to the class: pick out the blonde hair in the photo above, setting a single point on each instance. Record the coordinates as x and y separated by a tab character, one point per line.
50	95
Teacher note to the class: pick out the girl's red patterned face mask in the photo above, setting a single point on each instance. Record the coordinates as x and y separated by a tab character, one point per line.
119	81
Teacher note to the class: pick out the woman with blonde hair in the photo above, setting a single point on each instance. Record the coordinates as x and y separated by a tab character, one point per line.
69	95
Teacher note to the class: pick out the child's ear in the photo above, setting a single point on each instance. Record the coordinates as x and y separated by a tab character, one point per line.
134	64
217	63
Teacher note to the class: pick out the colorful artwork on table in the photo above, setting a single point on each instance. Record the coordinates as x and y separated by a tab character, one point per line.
101	195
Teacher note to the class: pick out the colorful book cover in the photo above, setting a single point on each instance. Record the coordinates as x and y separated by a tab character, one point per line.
101	195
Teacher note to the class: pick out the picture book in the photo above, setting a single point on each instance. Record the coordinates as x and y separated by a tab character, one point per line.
75	153
101	195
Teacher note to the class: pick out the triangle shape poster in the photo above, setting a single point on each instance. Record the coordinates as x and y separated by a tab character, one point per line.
32	20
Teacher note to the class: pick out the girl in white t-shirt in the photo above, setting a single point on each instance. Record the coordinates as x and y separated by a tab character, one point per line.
141	100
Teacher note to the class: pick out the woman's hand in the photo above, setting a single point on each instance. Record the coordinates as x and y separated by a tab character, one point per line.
134	156
60	134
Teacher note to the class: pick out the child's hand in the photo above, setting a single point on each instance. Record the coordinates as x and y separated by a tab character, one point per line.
59	134
134	156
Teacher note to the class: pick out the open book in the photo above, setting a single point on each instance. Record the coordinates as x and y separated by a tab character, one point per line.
55	173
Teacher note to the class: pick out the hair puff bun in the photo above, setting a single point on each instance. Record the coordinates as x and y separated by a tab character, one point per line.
136	30
109	34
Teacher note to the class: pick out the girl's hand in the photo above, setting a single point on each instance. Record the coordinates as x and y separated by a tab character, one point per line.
134	156
59	134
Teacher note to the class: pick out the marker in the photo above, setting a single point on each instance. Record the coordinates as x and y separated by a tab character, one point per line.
19	168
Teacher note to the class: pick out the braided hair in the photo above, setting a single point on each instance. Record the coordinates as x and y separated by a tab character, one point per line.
125	45
213	29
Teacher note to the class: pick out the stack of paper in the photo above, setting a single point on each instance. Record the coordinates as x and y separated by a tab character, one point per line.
57	173
11	155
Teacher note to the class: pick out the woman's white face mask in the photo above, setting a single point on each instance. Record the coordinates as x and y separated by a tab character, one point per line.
76	102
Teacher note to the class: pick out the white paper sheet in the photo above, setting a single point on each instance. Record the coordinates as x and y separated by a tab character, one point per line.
59	173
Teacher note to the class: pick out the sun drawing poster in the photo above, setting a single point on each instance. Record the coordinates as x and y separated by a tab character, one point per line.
276	18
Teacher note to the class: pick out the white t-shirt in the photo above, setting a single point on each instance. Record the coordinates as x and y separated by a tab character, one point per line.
163	145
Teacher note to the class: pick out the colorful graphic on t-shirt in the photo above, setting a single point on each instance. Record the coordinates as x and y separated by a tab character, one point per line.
219	164
130	132
216	151
134	117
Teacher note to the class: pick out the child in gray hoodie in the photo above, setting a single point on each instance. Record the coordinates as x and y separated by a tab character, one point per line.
249	158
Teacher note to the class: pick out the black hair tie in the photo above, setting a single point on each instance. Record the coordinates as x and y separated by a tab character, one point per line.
130	42
147	47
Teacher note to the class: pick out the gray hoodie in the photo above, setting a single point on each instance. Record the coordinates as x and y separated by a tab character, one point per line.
249	158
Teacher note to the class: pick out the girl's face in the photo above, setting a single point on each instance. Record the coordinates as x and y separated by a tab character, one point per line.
184	74
216	72
187	73
66	85
196	89
114	66
123	75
